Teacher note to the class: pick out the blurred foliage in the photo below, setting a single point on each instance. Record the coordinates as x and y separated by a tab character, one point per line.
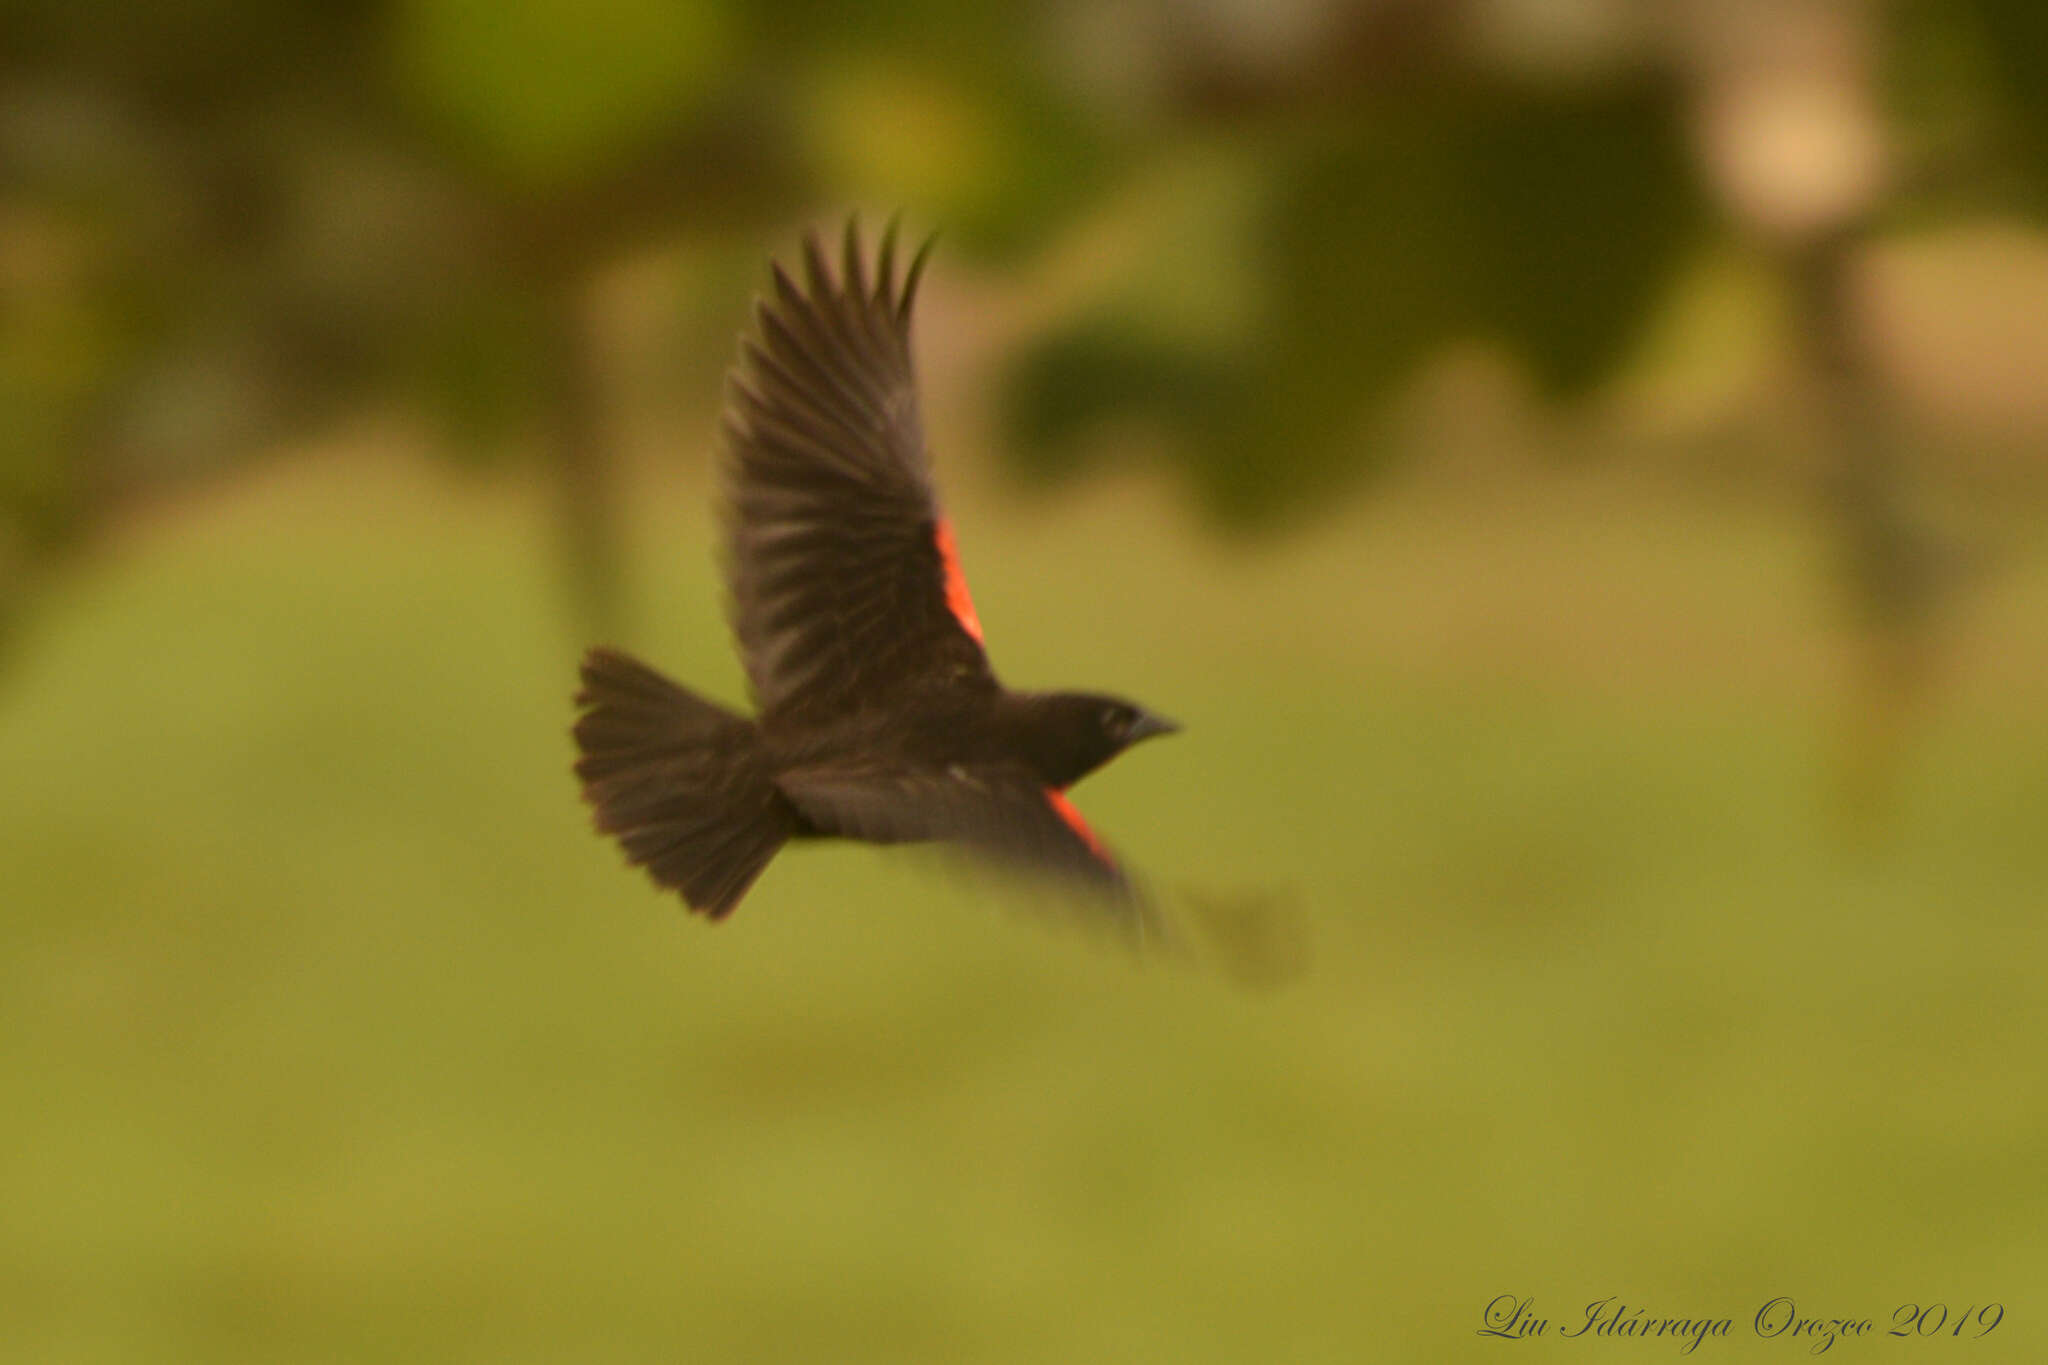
2015	40
1552	222
545	90
229	221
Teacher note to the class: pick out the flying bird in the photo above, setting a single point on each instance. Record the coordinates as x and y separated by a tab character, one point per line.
878	717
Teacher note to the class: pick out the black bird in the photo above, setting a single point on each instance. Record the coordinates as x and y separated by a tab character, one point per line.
880	718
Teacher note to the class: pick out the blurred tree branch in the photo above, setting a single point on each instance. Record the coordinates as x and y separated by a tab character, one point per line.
1896	577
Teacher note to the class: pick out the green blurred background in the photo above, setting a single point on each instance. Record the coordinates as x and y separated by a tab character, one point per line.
1576	466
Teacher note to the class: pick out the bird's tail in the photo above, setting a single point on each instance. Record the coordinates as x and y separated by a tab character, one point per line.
683	785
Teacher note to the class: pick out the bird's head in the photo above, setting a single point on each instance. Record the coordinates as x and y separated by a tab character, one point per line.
1074	733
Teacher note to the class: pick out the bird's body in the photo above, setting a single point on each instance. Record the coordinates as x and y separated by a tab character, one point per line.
879	716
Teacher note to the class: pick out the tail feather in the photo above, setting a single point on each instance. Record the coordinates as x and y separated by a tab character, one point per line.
682	784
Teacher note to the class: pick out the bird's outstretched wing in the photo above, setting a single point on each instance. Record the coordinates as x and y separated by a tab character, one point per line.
998	812
845	589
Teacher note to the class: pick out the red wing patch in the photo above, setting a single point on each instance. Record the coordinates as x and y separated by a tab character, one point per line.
1065	810
957	599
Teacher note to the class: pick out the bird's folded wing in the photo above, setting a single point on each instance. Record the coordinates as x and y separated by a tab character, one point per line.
844	585
999	813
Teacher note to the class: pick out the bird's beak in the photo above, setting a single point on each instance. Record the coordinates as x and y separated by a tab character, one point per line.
1147	725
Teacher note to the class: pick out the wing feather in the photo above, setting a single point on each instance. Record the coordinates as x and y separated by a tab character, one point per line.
843	595
1000	813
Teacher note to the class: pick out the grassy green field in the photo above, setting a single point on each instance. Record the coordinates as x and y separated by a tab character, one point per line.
330	1033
